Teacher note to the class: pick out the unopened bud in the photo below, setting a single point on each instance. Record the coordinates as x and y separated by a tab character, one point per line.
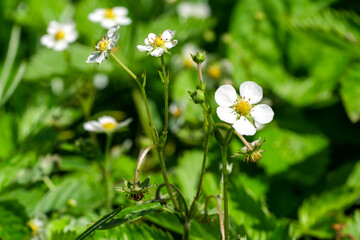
198	96
198	57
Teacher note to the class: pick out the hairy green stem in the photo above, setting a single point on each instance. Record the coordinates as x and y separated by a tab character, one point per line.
203	168
225	174
166	94
125	68
167	183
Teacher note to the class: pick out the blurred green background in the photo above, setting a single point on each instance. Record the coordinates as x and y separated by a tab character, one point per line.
306	56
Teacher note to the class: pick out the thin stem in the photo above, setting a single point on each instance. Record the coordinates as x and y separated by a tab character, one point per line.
49	183
206	147
157	196
107	174
187	225
154	133
224	148
246	143
167	183
125	68
200	74
140	161
166	94
221	220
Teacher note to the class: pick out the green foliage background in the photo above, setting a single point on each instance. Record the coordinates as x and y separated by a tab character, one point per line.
306	56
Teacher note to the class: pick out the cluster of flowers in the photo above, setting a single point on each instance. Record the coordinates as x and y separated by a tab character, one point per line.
240	111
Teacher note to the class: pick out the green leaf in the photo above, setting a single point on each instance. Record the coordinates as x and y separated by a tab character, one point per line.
133	231
354	177
13	221
188	172
46	63
350	92
285	148
7	135
10	168
352	226
130	214
317	209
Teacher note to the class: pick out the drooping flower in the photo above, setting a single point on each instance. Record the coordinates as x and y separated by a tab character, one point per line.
104	46
109	17
156	46
59	35
241	111
105	124
199	10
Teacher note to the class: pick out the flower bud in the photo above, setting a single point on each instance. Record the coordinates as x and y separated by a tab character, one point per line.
198	96
198	57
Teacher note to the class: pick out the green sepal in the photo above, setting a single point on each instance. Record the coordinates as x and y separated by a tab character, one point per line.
218	136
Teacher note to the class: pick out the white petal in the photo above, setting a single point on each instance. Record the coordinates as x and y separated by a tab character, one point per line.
112	31
102	57
226	114
47	41
120	11
171	44
93	57
93	126
107	23
252	92
106	119
150	38
97	15
69	26
225	96
123	123
145	48
244	127
71	36
53	27
60	45
157	52
121	20
167	35
262	113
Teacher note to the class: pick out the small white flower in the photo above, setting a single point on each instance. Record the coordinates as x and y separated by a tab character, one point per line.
194	10
105	124
59	35
109	17
241	111
104	46
156	46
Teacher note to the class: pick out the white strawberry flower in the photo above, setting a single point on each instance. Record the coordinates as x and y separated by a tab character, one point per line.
109	17
241	111
105	124
104	46
156	46
59	35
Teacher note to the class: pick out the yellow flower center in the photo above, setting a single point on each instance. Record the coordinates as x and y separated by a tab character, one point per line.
103	44
176	112
59	35
214	71
159	42
109	13
33	227
242	107
109	126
